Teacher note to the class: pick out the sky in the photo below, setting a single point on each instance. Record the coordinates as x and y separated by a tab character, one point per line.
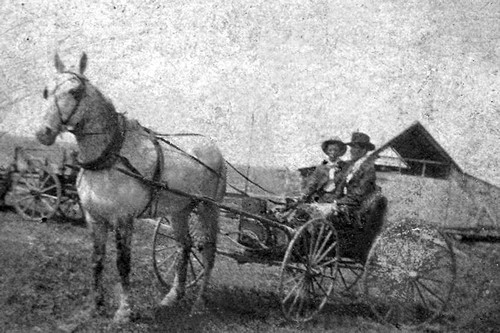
270	80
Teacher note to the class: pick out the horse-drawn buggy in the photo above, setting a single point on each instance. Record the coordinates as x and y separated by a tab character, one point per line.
406	270
38	187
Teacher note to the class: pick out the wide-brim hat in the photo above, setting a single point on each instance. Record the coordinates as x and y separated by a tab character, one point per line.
336	141
362	140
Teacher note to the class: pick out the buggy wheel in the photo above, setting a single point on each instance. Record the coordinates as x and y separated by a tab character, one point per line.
348	273
308	270
37	193
409	274
166	254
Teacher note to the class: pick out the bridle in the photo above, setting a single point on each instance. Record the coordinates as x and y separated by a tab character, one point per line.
110	153
78	95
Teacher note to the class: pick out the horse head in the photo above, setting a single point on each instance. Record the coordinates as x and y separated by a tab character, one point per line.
65	97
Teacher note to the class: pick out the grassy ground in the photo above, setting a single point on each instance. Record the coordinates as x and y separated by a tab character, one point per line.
45	280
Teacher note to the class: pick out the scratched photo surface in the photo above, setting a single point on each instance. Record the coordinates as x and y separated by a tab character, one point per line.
268	82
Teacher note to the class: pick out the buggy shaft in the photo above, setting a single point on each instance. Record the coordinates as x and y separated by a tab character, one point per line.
164	186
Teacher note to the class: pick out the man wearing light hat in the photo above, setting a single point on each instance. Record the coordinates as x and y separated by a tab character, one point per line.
323	182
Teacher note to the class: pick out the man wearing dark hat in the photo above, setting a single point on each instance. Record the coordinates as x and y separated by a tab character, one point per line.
323	182
359	178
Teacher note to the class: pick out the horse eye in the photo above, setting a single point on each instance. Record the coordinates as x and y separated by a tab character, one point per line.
45	93
76	93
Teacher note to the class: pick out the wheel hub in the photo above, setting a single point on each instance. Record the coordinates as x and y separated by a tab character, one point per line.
413	274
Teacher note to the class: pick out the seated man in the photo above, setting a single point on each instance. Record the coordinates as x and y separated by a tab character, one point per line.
323	182
360	177
359	181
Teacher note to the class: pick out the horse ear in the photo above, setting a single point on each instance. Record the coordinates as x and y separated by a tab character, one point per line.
83	63
58	63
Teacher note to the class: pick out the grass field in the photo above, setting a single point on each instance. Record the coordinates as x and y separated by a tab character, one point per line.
45	280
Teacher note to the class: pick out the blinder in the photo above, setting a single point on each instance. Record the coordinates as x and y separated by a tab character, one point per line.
78	94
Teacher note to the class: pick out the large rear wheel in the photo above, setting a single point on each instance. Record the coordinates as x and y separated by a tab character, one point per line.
409	274
308	272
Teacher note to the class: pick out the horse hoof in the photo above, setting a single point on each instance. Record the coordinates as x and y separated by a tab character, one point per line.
169	300
76	321
122	316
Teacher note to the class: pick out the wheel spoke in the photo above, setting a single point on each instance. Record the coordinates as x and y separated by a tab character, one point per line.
47	189
43	180
331	247
163	248
48	196
433	293
317	242
388	314
324	243
328	262
297	285
24	198
195	256
169	257
422	298
325	293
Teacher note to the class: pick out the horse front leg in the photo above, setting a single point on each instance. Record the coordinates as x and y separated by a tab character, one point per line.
123	233
99	233
180	229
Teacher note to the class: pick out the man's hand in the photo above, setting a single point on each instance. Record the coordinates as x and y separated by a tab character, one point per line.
343	208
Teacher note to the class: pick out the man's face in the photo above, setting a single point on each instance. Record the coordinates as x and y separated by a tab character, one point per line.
333	151
357	152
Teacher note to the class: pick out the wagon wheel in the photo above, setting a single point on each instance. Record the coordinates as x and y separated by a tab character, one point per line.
70	206
409	274
308	270
166	255
37	193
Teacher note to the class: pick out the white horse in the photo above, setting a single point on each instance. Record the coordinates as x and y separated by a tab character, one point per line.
107	141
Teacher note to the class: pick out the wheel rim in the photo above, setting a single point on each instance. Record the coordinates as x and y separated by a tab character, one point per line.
166	254
409	274
308	270
37	194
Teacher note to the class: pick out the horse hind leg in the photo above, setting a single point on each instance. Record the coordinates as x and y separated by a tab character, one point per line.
123	233
180	227
205	233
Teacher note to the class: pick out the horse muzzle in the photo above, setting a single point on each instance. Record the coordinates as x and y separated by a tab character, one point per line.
46	136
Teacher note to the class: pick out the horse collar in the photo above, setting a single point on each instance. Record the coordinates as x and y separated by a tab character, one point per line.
110	153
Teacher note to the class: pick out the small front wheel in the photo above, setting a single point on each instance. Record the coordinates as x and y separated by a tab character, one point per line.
166	254
308	272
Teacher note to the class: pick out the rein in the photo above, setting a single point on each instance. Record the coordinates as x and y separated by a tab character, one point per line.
199	161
